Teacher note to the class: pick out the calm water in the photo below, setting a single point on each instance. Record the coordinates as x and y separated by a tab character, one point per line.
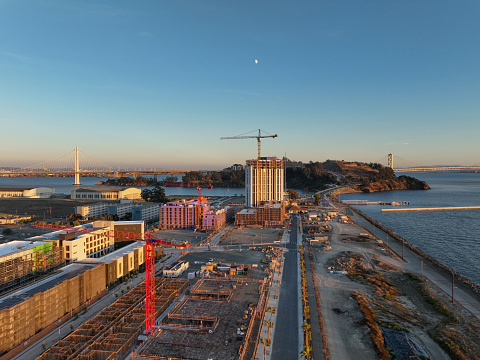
451	237
64	185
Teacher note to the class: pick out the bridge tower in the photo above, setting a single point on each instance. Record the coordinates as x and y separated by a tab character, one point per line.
77	168
390	161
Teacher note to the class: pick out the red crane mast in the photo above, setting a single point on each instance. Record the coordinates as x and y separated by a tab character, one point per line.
150	243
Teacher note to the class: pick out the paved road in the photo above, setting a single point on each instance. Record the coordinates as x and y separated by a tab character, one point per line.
286	342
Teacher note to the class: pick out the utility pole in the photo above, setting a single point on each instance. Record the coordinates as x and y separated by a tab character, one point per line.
453	285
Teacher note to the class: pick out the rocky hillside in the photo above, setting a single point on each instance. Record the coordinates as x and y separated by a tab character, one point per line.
374	177
397	183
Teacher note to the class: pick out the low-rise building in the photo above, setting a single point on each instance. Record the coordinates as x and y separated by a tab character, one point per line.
32	193
22	260
139	211
193	214
176	269
98	241
106	193
25	312
14	219
267	215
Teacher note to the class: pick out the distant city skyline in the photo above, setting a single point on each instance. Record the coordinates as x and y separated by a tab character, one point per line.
156	84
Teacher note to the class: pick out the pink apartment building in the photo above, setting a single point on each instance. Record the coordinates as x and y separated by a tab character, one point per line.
192	214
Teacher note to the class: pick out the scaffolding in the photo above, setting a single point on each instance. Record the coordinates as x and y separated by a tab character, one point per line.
24	314
23	265
204	322
110	334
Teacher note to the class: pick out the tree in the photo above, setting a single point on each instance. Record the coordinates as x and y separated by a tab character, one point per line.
170	179
192	177
293	195
307	350
262	340
317	199
7	231
157	194
270	323
75	217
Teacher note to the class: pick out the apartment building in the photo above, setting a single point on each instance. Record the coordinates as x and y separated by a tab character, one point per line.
264	181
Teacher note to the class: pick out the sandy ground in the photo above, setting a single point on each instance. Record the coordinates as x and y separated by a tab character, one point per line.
341	313
251	236
182	235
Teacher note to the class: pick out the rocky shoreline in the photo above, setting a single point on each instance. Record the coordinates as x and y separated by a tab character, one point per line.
471	285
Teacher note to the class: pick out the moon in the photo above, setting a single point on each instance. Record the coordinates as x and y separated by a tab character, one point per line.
256	61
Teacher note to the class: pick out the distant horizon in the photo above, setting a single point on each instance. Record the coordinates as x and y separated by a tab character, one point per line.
216	168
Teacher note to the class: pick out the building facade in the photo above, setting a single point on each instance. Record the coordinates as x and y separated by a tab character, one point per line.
32	193
267	215
193	214
264	181
139	211
79	246
106	194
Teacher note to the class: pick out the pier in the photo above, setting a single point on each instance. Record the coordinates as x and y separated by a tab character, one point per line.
366	202
434	209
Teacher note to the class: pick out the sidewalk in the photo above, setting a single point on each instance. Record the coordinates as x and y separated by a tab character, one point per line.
272	302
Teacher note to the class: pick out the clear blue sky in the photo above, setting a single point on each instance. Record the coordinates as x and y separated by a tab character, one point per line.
157	83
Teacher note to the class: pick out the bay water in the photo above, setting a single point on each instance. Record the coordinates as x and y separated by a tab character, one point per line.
452	237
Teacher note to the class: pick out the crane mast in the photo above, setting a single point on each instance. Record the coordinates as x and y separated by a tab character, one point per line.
258	137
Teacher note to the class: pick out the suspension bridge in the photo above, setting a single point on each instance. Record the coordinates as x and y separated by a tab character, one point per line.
76	163
399	164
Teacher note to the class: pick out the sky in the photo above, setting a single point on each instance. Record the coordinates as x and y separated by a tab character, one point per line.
155	84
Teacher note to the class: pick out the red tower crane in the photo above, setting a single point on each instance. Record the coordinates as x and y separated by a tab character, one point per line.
150	243
199	188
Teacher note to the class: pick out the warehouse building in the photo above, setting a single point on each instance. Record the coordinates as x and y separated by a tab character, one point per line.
139	211
106	193
32	193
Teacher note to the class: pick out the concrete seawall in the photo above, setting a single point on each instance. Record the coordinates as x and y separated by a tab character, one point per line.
433	209
474	287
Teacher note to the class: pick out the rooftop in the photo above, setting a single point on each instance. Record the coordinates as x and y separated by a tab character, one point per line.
88	189
116	254
63	274
16	246
15	188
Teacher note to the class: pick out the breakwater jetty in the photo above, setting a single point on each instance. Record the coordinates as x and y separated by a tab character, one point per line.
434	209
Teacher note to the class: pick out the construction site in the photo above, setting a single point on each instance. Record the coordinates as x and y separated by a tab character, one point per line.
31	309
111	333
22	261
218	319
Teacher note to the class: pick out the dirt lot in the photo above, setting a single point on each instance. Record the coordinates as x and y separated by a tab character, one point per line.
228	257
251	236
40	208
414	316
182	235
